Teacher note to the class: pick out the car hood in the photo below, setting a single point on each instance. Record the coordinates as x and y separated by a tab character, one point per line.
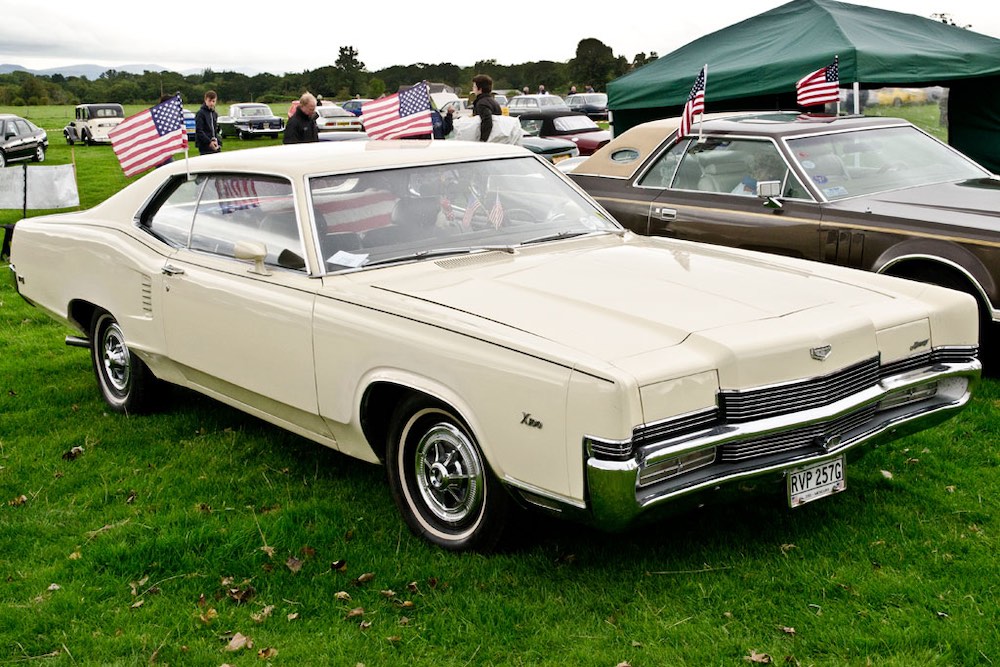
619	303
974	204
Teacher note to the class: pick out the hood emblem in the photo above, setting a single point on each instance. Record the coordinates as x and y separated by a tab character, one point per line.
919	343
820	353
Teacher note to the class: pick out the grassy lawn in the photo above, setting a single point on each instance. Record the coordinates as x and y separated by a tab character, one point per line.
202	536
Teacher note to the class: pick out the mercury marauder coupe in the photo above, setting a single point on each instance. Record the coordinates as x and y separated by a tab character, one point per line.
247	120
463	314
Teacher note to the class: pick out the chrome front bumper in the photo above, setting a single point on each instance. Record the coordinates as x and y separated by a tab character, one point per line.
617	496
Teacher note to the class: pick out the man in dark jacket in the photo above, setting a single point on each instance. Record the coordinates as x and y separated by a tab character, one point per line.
301	127
206	126
484	105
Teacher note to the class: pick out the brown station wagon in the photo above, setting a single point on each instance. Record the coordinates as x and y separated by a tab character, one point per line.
871	193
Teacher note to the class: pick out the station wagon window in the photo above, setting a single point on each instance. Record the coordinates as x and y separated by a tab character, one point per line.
212	213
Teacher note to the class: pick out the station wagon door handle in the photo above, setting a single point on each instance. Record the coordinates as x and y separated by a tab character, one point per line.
172	270
663	213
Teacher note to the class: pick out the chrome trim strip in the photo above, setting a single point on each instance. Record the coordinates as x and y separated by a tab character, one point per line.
616	501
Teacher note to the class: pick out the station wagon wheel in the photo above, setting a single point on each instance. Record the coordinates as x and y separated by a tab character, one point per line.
440	481
125	382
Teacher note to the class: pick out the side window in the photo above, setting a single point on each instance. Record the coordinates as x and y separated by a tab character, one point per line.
21	128
662	172
259	209
171	221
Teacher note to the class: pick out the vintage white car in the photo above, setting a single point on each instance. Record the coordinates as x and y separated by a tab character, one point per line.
92	123
464	314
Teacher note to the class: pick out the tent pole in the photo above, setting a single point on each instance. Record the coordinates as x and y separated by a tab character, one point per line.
857	98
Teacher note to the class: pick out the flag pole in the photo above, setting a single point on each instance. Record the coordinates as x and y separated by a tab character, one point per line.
701	115
836	62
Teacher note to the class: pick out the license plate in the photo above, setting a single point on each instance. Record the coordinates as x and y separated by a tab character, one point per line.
820	480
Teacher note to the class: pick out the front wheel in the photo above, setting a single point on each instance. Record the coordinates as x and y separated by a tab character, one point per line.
440	481
125	382
40	153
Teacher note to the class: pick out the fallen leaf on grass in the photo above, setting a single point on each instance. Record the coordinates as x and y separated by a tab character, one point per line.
364	578
240	595
264	614
788	630
412	587
54	587
136	585
130	498
395	639
73	453
17	502
388	593
239	642
292	616
950	488
785	548
357	611
887	474
208	616
758	658
268	550
339	565
267	653
76	555
293	564
624	664
364	625
404	620
342	595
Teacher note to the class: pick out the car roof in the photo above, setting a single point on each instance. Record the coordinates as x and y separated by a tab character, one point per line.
647	137
542	114
329	157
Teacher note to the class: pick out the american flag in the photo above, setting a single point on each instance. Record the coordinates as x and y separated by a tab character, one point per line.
820	87
496	214
236	194
695	103
403	114
470	210
149	137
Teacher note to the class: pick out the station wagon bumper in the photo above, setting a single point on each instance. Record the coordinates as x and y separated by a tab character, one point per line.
707	459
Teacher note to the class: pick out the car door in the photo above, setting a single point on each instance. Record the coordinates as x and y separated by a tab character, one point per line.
240	329
14	140
712	198
26	138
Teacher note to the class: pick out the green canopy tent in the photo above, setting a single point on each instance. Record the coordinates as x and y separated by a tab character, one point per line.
754	64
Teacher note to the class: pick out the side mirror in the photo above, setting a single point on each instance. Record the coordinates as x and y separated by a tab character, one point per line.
254	251
767	189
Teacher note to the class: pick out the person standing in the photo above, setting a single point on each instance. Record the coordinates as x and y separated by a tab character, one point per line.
484	106
206	126
301	127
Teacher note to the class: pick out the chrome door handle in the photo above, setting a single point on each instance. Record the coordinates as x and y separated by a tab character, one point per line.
663	213
171	270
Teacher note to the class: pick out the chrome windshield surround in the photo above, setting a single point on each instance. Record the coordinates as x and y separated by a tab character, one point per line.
774	444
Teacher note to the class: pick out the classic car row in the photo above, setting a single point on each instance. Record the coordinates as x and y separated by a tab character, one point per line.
869	193
465	315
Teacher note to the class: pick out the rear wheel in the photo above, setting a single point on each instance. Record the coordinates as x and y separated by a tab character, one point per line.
440	480
125	382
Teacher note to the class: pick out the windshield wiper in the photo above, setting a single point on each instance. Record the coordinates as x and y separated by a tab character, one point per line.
440	252
568	234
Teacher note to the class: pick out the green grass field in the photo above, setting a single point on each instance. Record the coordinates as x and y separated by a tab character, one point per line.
202	536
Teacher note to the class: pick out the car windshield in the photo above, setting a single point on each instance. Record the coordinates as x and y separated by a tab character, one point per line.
597	99
574	124
371	218
865	162
255	111
330	112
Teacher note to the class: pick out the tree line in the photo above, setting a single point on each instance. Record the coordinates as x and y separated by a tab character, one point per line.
594	64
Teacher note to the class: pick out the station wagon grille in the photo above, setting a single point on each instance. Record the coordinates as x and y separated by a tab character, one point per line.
742	406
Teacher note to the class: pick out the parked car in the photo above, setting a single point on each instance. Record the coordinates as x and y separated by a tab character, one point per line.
247	120
870	193
554	150
594	105
354	106
92	123
523	103
565	124
463	314
459	108
189	124
331	118
20	140
897	97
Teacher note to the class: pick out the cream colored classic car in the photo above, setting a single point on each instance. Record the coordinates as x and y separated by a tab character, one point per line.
462	313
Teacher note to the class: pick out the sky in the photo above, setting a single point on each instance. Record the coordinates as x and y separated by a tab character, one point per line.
256	36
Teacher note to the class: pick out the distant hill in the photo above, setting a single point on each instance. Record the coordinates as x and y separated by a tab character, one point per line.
93	72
